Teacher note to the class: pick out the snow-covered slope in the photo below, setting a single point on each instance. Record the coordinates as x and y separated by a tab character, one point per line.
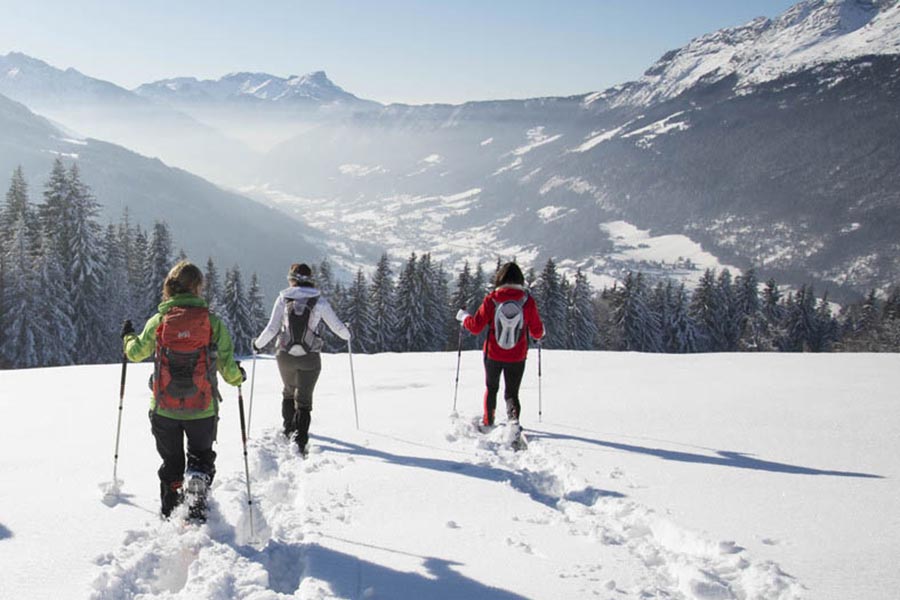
753	477
812	32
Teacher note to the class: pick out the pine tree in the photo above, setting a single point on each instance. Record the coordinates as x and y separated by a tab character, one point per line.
256	307
551	302
86	270
582	328
704	310
685	338
800	320
460	300
117	296
212	289
382	303
410	310
359	315
157	266
235	311
638	323
479	287
145	299
19	348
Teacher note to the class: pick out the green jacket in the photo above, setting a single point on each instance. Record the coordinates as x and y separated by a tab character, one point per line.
139	347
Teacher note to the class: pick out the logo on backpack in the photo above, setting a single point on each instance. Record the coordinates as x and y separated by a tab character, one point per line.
509	322
184	378
297	336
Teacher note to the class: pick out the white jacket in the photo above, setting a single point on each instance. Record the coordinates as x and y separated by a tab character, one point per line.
321	311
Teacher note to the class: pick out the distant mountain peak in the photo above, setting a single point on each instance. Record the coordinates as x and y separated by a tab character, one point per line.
809	33
314	87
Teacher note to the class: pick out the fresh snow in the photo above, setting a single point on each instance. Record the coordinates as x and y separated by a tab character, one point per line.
811	33
750	476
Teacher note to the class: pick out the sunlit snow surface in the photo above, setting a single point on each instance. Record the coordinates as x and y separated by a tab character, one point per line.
758	476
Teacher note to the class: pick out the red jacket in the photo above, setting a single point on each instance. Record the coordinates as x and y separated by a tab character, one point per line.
484	317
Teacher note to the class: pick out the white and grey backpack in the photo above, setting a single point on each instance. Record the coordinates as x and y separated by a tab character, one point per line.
509	321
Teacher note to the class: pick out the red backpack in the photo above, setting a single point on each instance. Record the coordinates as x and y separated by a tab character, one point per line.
184	379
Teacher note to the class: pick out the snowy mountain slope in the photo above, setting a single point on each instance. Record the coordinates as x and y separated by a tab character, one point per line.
689	485
811	33
102	110
152	191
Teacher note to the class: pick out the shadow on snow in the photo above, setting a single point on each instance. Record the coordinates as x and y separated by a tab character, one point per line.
722	458
534	484
4	532
351	577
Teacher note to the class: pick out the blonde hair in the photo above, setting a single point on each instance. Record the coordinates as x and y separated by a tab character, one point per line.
184	278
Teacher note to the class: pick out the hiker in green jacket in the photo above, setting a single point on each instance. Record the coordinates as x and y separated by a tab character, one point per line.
190	345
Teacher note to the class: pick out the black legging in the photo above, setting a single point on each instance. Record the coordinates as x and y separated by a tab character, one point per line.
512	379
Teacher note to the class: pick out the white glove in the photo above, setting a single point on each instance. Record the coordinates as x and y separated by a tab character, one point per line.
461	315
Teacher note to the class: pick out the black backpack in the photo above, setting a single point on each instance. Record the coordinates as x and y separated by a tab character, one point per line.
295	328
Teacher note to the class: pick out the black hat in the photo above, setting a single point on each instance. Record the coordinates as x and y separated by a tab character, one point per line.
300	272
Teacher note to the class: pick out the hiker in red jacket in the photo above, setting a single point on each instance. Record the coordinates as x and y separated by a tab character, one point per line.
510	312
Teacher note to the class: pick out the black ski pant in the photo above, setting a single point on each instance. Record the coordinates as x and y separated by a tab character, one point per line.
299	375
170	435
512	378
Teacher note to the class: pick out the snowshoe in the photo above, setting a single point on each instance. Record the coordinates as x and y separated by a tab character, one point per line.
515	436
196	488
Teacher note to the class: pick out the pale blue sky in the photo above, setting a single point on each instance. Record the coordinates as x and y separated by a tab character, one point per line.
413	51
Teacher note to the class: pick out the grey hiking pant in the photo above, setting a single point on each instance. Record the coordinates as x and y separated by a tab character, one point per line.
299	375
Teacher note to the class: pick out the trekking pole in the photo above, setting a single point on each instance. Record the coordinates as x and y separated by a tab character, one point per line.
252	381
246	465
540	399
353	382
114	486
458	360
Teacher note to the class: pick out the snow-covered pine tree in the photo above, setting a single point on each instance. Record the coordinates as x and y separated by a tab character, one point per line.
685	336
159	261
825	331
433	298
479	287
86	267
338	301
235	311
460	300
256	306
212	287
800	320
117	295
746	289
410	309
582	328
56	340
18	346
638	323
704	311
55	212
324	278
551	301
382	303
730	326
359	315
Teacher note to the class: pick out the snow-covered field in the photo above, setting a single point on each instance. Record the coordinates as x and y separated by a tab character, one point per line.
649	476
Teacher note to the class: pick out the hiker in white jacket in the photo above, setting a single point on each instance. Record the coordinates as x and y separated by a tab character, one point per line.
298	317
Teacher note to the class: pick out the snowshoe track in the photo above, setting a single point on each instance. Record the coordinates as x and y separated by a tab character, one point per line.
677	563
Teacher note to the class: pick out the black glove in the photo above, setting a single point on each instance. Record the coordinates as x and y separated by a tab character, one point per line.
243	372
127	328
